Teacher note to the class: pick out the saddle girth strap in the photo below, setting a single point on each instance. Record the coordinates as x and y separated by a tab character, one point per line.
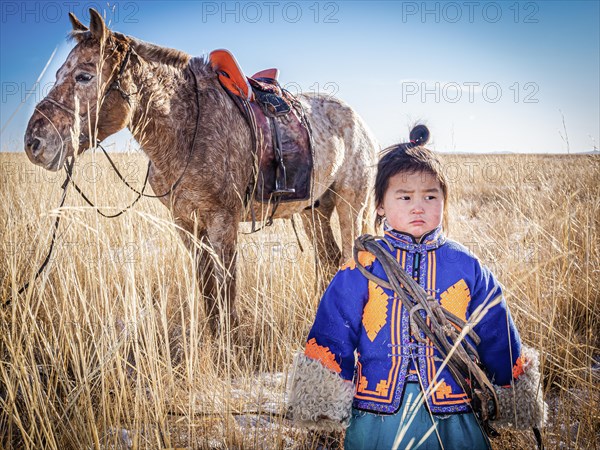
248	114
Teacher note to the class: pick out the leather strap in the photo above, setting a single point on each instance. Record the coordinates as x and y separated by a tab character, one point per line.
445	331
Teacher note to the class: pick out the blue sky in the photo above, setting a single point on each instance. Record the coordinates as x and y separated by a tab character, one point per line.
484	76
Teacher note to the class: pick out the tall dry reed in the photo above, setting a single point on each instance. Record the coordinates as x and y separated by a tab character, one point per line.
110	346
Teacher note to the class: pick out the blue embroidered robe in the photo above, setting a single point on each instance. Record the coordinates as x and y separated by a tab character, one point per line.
356	316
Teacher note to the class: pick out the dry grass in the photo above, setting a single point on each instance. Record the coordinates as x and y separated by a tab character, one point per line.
110	349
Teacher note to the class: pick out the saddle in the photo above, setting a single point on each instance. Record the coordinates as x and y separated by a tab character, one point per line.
280	131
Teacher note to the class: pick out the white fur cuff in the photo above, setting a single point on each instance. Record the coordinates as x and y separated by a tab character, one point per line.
319	398
522	406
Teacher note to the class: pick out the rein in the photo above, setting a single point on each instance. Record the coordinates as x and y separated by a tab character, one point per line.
187	161
70	163
69	170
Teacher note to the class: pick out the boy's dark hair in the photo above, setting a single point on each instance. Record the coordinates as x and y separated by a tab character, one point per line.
410	157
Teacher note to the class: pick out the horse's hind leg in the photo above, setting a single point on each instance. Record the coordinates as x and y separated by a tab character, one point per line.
317	225
353	211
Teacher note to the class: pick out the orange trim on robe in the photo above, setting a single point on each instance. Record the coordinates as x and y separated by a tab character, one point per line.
365	258
518	368
322	354
383	386
443	395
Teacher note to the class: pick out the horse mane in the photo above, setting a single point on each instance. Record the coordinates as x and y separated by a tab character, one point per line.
157	54
201	66
148	51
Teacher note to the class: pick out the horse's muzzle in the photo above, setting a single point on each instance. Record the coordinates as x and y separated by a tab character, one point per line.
42	153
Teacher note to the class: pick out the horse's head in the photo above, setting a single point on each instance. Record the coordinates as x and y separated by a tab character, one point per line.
90	99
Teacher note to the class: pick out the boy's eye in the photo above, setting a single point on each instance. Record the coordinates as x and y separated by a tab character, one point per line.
430	197
404	197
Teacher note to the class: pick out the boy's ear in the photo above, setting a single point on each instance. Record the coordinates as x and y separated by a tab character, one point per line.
380	211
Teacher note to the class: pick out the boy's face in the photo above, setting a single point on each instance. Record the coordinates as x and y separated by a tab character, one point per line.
413	203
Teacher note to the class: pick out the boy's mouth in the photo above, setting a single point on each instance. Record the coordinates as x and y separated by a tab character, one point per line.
417	222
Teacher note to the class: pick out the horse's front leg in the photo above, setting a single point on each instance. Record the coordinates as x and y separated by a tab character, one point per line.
214	253
217	265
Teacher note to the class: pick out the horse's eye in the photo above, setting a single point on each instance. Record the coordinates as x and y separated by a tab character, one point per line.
83	77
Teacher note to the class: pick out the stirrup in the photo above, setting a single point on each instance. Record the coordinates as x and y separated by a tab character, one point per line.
284	191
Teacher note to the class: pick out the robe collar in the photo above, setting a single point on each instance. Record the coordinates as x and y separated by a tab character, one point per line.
429	241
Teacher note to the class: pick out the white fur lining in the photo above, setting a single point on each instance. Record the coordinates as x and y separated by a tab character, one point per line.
319	398
522	405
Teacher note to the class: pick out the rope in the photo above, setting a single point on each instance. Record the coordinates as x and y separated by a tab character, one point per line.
109	216
459	355
443	330
69	163
187	161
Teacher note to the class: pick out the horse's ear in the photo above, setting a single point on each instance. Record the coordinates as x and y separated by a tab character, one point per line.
97	27
77	25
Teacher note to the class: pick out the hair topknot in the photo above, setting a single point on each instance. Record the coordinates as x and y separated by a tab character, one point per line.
419	135
408	158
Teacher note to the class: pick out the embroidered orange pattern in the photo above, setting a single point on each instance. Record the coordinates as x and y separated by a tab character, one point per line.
443	390
382	388
375	312
456	299
365	258
363	383
322	354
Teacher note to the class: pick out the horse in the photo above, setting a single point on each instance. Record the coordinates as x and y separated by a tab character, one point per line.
200	149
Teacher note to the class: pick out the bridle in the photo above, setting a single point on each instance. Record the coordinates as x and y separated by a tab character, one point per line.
115	85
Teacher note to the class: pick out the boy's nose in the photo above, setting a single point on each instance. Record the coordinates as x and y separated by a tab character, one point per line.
417	208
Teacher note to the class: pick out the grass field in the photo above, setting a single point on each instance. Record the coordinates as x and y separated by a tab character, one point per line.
110	348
